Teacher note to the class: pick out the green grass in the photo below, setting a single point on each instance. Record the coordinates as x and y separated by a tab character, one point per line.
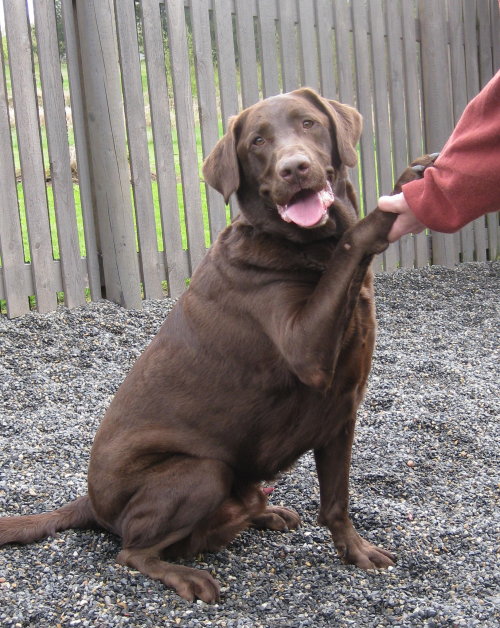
80	225
76	192
52	221
76	189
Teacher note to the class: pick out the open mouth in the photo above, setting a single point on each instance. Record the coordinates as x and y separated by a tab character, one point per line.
307	208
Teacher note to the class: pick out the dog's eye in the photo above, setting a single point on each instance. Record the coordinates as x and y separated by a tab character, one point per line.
307	124
258	141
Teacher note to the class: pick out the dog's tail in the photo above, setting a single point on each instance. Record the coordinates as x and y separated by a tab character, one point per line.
28	528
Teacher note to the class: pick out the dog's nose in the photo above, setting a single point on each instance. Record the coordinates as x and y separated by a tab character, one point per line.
293	167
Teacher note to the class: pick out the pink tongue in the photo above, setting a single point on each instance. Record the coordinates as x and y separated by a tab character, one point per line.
306	212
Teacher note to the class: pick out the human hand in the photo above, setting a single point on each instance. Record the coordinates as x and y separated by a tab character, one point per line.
406	222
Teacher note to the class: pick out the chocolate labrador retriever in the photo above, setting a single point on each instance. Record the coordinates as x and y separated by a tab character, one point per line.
263	358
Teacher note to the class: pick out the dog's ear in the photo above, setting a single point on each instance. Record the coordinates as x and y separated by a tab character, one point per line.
220	169
346	122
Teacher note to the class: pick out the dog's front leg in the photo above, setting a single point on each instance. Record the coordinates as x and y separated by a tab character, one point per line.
310	334
332	464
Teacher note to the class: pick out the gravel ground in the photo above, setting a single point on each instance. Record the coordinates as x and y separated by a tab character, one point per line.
424	475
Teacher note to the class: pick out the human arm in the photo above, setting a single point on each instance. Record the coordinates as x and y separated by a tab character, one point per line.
464	182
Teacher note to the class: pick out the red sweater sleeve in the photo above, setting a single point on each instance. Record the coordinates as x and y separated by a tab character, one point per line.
464	182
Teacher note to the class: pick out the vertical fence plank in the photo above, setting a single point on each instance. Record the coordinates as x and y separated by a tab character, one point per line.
28	131
207	104
247	53
110	171
287	16
58	145
11	243
140	169
345	62
324	22
413	108
228	84
343	52
364	99
471	47
492	236
269	56
226	59
437	102
176	263
308	44
396	86
381	116
183	98
493	219
485	42
398	110
495	29
459	94
457	59
411	80
82	148
493	226
486	71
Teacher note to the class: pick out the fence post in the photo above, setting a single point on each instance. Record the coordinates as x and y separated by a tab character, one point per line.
107	147
438	115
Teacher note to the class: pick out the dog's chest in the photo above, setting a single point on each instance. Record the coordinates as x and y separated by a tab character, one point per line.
317	255
296	422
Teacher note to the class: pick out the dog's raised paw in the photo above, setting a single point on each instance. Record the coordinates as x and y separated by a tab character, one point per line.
415	170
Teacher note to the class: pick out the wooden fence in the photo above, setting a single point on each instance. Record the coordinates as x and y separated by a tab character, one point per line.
142	90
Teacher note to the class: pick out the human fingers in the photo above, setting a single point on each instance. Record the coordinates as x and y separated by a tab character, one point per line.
405	223
395	204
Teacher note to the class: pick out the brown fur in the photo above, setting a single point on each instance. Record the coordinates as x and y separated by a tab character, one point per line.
263	358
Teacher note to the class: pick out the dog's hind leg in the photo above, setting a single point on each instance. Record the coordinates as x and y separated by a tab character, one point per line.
247	507
174	499
276	518
189	583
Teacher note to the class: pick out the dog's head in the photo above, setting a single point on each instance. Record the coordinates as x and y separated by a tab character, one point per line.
286	159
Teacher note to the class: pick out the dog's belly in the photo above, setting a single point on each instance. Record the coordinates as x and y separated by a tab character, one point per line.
257	422
308	420
217	392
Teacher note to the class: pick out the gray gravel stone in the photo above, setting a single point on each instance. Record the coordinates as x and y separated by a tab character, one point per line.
424	475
